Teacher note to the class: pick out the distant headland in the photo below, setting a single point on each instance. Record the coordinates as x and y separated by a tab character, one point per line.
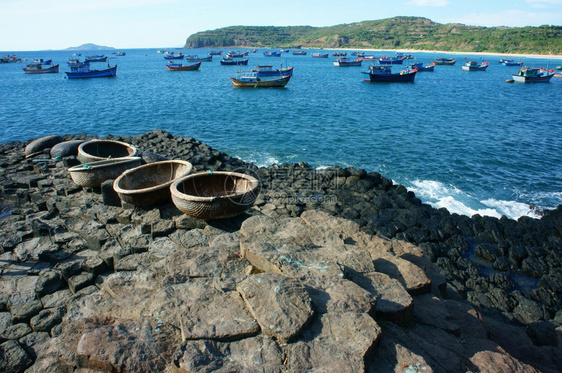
408	33
88	46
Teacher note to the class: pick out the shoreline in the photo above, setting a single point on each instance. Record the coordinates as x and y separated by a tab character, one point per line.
336	239
528	55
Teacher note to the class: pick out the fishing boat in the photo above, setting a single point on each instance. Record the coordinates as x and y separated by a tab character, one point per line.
171	66
384	74
507	62
444	61
532	75
96	58
420	67
252	80
475	66
215	53
346	62
339	54
232	61
299	53
236	54
268	70
82	70
196	58
319	55
173	56
119	53
272	53
384	60
37	68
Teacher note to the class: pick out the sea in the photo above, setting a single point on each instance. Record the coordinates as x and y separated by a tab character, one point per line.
466	141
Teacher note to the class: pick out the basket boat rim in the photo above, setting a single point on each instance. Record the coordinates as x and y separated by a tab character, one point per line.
96	166
142	168
192	198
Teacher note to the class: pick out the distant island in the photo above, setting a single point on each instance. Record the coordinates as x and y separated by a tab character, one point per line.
409	33
88	46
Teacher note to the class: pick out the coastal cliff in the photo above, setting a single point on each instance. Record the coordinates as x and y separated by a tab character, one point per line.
331	270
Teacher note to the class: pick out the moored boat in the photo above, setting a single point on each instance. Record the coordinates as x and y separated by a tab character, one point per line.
384	60
215	53
268	70
420	67
299	53
346	62
532	75
507	62
475	66
252	80
82	70
232	61
96	58
173	56
196	58
319	55
37	68
272	53
180	67
384	74
444	61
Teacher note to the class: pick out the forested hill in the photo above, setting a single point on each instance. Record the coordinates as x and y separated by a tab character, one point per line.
392	33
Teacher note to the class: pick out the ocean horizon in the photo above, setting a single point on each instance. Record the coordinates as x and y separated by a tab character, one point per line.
465	141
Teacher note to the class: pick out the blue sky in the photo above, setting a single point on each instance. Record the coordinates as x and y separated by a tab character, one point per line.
59	24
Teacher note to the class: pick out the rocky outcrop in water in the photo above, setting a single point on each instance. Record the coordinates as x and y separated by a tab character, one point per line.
332	270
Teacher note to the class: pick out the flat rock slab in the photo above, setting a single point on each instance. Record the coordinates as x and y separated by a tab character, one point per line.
336	342
393	302
280	304
251	355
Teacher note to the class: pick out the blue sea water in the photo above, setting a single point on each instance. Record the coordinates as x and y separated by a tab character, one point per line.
467	141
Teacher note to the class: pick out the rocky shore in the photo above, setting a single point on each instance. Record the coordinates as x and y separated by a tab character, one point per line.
333	270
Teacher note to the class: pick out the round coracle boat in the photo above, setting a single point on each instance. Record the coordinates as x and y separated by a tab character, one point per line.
149	184
93	174
98	150
215	195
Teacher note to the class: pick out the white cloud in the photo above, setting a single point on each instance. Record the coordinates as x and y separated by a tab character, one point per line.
429	2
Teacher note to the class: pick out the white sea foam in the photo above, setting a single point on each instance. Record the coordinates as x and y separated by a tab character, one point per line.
440	195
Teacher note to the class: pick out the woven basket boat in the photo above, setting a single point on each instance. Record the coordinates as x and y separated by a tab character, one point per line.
98	150
149	184
93	174
216	195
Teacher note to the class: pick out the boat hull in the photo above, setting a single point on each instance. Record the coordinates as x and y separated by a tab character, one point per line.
50	70
528	79
348	63
269	83
474	68
107	73
194	66
282	72
234	62
391	78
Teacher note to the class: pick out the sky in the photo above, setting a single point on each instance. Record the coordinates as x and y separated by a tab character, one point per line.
29	25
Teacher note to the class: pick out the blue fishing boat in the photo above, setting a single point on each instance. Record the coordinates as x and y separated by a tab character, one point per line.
171	66
475	66
347	62
196	58
272	53
232	61
268	70
532	75
82	70
384	74
96	58
173	56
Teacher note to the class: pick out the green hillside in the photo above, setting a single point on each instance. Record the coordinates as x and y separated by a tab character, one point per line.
392	33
